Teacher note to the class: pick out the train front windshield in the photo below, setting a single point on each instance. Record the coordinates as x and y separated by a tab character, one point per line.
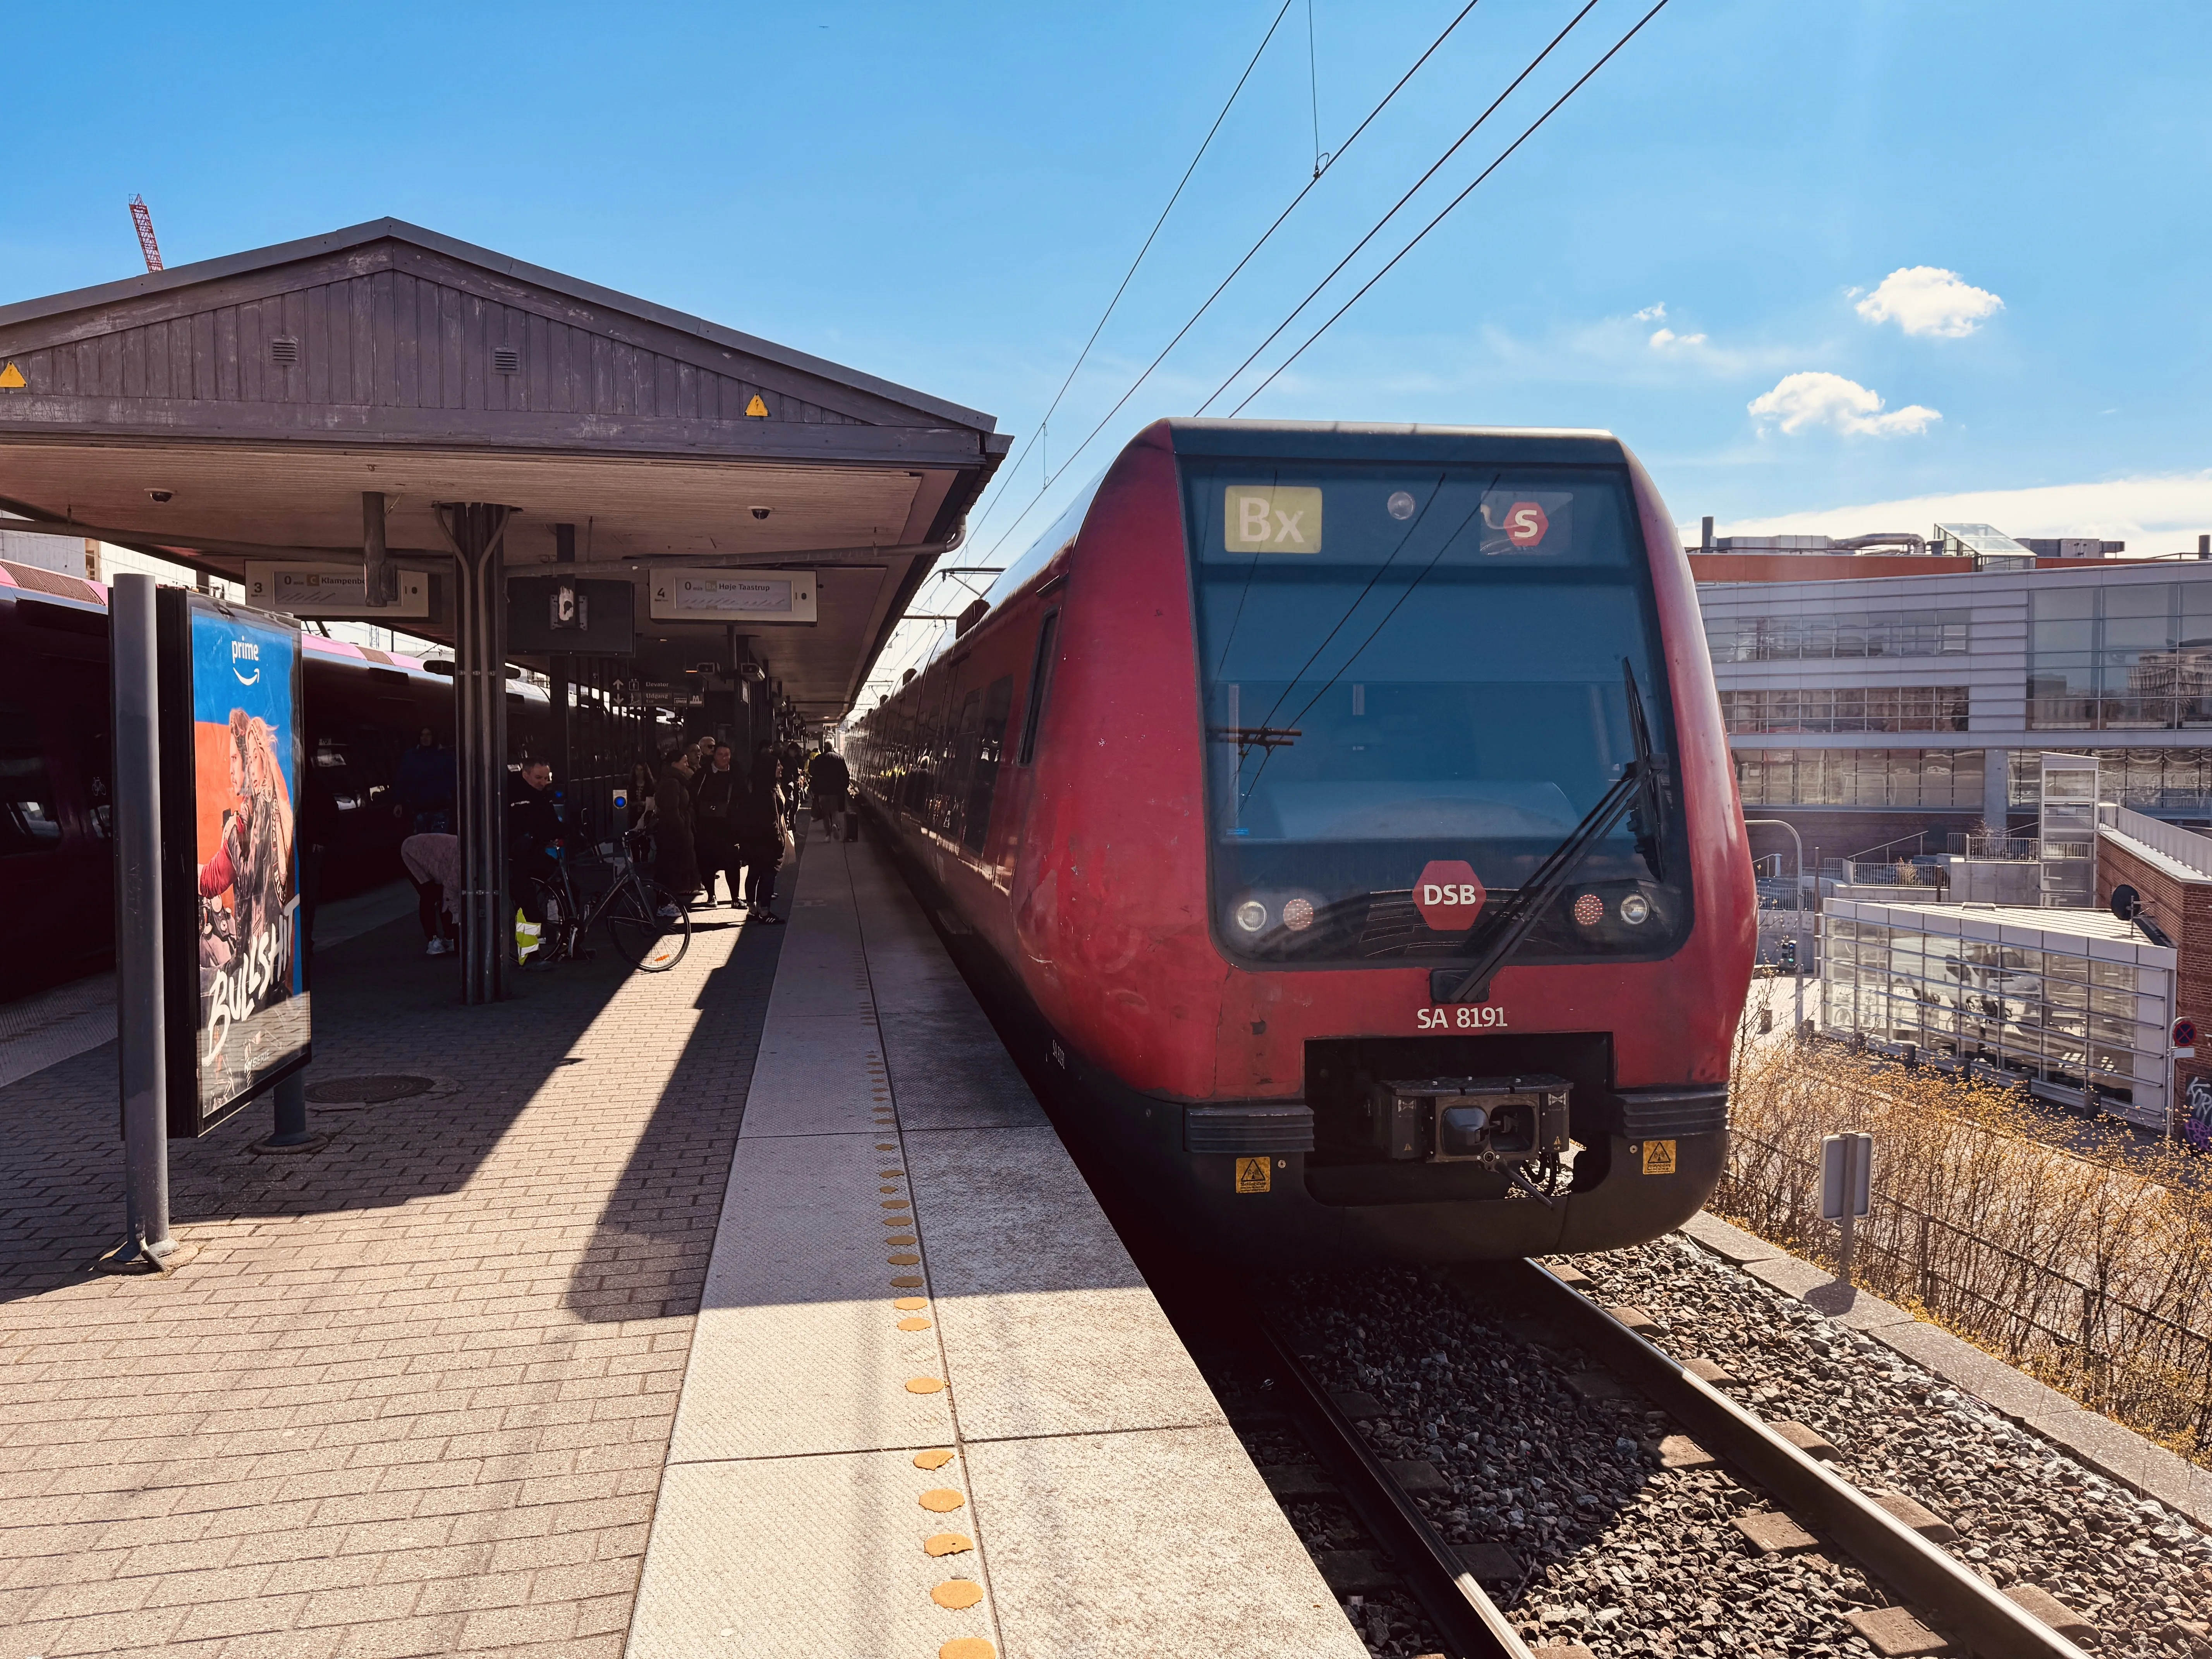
1415	689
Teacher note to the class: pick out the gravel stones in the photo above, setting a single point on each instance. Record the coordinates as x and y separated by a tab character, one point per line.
1627	1557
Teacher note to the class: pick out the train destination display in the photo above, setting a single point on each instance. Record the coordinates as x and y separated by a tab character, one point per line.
686	594
232	751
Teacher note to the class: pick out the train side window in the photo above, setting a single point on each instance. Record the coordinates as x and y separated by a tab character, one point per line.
28	820
1039	686
990	747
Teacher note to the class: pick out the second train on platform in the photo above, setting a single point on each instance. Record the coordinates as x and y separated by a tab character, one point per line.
1344	816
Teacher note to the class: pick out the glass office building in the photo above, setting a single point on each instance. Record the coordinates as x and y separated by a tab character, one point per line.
2073	1004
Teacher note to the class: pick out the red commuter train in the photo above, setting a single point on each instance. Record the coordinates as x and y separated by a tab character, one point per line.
1344	816
362	707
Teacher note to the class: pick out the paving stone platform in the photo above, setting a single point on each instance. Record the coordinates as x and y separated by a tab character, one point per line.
445	1387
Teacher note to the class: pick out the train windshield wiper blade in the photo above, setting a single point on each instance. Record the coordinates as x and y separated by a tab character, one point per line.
1638	785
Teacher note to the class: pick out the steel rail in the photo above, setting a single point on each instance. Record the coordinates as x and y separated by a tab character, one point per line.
1465	1617
1962	1606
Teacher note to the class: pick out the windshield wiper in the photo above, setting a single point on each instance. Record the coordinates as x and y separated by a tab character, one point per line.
1516	918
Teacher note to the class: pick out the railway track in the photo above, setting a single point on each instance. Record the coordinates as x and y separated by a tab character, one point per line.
1939	1605
1941	1598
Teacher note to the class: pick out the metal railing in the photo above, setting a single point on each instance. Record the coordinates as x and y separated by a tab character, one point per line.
2120	1352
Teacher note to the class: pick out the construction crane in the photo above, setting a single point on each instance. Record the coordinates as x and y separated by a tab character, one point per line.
142	216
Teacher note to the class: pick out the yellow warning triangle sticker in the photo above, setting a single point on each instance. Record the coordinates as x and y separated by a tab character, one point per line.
756	409
12	378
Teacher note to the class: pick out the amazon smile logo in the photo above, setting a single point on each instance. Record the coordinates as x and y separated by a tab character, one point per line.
246	651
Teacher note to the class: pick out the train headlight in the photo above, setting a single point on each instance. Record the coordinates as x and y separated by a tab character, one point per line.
1636	910
1298	915
1401	504
1251	915
1589	911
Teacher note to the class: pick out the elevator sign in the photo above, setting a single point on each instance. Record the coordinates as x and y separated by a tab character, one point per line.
1449	895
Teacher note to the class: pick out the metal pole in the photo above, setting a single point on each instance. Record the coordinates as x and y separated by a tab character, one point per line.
138	1000
476	531
291	1132
1797	903
1849	1223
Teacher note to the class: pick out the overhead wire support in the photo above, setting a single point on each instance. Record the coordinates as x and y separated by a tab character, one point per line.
1236	271
1448	208
1129	275
142	217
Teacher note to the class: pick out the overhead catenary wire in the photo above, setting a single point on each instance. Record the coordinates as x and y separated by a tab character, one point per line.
1014	466
1448	208
1535	64
1235	271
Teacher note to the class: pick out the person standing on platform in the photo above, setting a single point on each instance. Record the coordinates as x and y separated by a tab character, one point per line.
426	784
676	863
760	837
828	781
714	799
433	865
533	844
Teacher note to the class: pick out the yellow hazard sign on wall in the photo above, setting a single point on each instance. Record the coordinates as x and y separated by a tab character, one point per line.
1658	1157
12	378
756	409
1254	1174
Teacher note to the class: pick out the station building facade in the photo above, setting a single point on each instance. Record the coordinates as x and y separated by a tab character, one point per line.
1884	715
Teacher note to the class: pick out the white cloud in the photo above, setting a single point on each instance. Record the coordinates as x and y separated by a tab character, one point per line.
2152	513
1816	397
1929	300
1662	338
1649	314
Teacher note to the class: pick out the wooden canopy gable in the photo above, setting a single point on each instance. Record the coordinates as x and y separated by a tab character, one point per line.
239	407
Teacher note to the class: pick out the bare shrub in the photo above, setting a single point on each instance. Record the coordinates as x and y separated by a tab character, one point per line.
2094	1275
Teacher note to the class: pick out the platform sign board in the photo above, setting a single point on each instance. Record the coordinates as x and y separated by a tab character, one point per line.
233	741
333	590
692	593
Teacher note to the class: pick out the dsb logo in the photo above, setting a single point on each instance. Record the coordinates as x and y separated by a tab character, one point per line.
1449	895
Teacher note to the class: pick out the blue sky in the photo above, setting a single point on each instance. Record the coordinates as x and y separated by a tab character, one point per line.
948	196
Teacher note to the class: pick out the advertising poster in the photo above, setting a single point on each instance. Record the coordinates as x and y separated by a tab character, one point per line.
232	747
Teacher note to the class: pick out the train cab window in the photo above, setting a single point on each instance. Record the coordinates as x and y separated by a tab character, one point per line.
1413	675
1040	686
29	821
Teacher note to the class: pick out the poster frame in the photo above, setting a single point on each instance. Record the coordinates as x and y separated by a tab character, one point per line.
189	1116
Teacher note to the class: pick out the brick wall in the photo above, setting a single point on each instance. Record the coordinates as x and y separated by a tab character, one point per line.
2184	909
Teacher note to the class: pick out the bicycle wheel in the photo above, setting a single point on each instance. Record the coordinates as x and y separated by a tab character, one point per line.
647	939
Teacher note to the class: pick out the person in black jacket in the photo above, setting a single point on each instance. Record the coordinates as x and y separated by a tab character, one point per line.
828	780
759	823
714	796
534	837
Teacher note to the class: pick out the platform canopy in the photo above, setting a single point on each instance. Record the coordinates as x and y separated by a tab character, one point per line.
239	408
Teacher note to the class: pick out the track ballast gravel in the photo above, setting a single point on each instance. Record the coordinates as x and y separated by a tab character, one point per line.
1629	1558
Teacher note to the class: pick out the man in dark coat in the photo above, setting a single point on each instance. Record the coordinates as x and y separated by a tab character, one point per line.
714	799
759	822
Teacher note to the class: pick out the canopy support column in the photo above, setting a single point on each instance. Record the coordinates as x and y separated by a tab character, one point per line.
477	531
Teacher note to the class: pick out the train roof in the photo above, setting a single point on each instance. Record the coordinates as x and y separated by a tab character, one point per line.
77	592
1377	440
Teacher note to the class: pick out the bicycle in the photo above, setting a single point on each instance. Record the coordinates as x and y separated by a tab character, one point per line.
650	930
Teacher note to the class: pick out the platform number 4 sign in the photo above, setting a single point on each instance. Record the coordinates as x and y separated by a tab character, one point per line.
1253	1175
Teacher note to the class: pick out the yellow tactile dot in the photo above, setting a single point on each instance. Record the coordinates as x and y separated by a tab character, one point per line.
935	1458
917	1323
946	1543
966	1647
898	1221
896	1203
905	1284
886	1189
940	1500
908	1303
902	1261
886	1147
956	1593
925	1385
885	1174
